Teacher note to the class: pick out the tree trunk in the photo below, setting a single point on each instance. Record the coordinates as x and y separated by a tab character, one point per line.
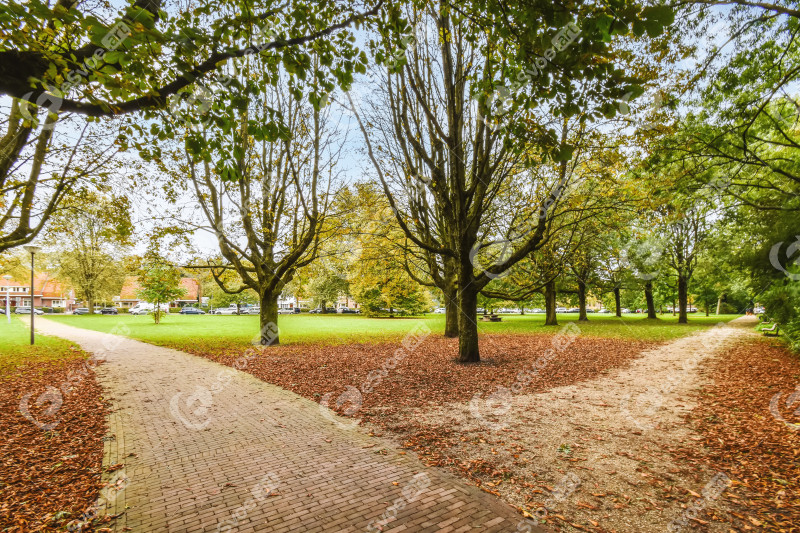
648	296
582	301
450	292
682	299
268	320
617	301
323	307
468	351
90	302
550	304
719	302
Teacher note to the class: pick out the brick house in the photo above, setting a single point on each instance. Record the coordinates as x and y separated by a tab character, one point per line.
48	292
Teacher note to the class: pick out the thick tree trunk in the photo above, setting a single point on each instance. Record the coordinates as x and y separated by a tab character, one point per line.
268	320
618	301
683	294
468	351
323	307
551	319
582	301
648	296
90	301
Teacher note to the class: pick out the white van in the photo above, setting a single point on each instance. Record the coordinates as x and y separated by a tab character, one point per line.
143	308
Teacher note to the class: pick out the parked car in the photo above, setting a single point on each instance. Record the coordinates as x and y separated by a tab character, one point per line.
574	310
288	310
625	311
346	311
604	311
481	310
143	308
188	310
441	311
318	310
27	311
109	311
561	309
81	311
253	310
225	311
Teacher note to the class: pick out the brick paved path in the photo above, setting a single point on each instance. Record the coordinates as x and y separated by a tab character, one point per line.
209	448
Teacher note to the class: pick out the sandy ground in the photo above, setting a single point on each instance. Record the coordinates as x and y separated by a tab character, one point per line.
596	454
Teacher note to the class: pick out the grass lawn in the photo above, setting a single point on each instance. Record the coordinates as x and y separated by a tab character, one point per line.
16	349
341	329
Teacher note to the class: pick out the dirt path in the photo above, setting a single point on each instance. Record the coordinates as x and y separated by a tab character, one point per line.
198	446
598	451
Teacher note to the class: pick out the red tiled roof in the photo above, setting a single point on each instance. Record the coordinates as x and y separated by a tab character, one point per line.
44	284
192	288
131	287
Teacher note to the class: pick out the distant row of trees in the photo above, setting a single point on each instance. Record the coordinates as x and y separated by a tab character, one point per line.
489	178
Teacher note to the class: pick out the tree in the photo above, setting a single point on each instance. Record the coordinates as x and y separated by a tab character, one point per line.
444	158
39	168
264	192
160	284
98	61
326	287
381	283
92	232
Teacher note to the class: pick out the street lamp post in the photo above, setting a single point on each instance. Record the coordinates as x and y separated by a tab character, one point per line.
33	250
8	309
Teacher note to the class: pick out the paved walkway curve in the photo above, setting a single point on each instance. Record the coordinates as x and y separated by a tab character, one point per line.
204	447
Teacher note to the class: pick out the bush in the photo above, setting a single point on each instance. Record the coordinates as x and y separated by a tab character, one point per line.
782	303
728	309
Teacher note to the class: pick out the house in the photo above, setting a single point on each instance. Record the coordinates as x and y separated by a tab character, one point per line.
128	295
48	292
348	302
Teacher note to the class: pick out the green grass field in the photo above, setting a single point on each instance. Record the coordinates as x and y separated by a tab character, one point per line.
16	349
221	330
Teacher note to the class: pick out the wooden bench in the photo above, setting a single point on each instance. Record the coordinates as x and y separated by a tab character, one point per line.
771	331
491	318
